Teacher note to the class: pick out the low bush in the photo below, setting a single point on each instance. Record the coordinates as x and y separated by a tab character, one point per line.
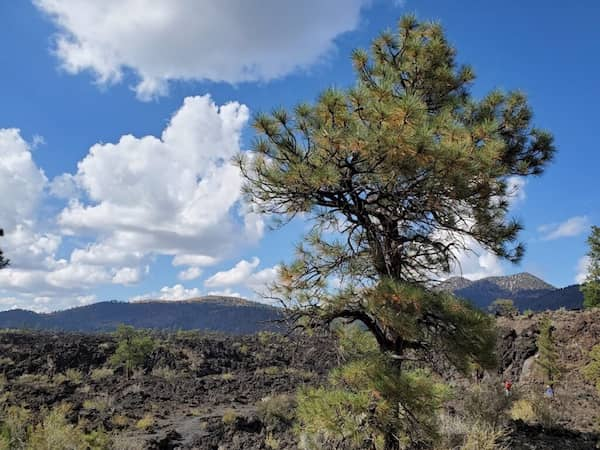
487	403
145	422
101	373
229	417
277	409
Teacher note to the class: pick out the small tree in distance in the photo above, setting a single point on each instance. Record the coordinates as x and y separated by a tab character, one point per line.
503	307
397	175
133	346
591	286
548	359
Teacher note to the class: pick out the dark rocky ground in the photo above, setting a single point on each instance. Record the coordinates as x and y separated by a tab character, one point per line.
208	391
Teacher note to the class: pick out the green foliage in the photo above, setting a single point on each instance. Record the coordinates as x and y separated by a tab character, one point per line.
229	417
277	409
591	286
55	432
133	347
503	307
592	370
398	175
13	428
548	359
370	400
483	436
486	403
528	313
145	422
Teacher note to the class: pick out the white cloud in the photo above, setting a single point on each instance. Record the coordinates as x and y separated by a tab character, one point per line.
516	189
232	41
583	267
176	195
234	276
176	292
477	262
225	293
569	228
21	181
191	273
259	281
127	275
194	260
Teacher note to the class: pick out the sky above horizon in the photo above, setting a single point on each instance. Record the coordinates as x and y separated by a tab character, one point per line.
119	119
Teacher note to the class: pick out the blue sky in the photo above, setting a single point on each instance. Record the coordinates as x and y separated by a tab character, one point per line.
90	215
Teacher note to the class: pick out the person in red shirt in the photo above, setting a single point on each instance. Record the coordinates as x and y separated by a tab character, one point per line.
507	387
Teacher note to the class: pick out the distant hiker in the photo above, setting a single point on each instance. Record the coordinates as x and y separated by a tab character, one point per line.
507	387
479	373
549	392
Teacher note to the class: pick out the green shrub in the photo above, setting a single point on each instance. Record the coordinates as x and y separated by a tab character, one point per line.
33	379
73	376
101	373
145	422
592	370
13	428
277	409
486	402
483	436
522	410
229	417
165	373
54	432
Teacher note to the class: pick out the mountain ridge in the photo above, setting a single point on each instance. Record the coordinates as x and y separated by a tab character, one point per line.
219	314
526	290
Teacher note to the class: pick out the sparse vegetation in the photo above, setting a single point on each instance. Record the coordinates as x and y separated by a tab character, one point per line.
591	285
229	417
101	373
145	422
592	370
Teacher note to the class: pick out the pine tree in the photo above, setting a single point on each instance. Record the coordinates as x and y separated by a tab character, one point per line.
397	176
548	359
591	286
3	261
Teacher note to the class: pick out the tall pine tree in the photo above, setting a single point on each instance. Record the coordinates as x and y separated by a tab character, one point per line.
591	286
397	175
548	358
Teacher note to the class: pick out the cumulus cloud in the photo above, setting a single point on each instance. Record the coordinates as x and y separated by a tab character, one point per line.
191	273
195	39
234	276
176	195
573	226
176	292
583	267
21	182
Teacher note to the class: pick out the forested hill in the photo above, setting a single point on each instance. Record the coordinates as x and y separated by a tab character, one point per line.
527	292
220	314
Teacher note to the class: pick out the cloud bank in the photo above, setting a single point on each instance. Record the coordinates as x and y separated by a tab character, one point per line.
230	41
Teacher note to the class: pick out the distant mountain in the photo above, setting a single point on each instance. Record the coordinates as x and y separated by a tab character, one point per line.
526	290
212	313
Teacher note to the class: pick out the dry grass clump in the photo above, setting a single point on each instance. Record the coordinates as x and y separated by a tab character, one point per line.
145	422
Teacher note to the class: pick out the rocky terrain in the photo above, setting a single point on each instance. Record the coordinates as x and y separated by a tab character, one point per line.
212	391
